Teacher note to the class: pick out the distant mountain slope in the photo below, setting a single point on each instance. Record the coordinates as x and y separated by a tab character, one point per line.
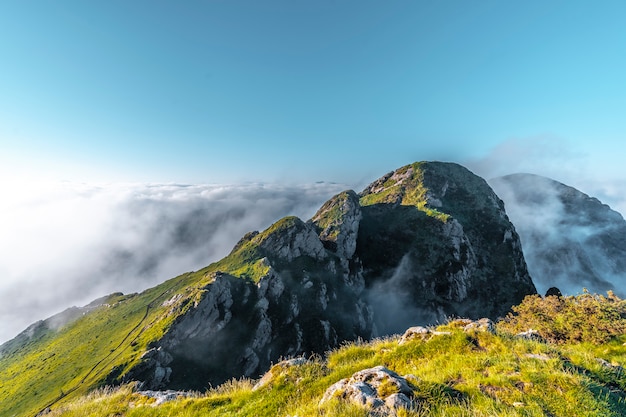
570	240
422	243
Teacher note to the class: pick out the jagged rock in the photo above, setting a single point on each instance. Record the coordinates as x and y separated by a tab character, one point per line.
338	220
376	388
420	332
154	365
295	239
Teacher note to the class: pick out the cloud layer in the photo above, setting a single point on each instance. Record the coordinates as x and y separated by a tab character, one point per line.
66	244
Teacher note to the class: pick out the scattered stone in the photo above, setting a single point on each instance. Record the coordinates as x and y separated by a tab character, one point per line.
481	325
377	388
608	365
531	334
538	356
165	396
277	369
419	332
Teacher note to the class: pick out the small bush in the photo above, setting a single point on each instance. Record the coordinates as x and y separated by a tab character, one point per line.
586	317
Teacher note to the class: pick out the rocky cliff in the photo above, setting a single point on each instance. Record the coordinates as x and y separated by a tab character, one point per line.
571	240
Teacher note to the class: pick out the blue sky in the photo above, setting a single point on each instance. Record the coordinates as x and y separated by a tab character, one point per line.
223	91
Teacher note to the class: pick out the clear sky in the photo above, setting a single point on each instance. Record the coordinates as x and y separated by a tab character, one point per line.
213	91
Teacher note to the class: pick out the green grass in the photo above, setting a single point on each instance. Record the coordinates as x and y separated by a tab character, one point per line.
459	374
57	366
407	188
64	364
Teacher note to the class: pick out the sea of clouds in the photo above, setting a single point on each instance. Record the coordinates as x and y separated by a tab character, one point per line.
65	244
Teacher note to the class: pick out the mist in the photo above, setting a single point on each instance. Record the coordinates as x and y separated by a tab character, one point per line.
394	309
66	244
564	244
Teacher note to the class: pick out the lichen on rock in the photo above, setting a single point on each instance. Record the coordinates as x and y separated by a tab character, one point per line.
378	389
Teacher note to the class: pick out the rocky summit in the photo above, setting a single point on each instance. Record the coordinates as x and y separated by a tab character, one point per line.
571	240
425	242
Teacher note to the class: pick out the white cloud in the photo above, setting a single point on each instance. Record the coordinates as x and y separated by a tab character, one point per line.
66	244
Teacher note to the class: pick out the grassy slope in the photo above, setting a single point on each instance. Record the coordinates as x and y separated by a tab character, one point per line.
455	375
406	187
80	355
57	366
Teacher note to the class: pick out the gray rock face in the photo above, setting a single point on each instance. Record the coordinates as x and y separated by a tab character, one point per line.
571	240
298	240
338	220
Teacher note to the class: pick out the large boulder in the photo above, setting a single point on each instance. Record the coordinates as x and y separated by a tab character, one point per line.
378	389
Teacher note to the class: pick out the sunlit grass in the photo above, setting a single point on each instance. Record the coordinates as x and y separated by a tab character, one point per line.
457	374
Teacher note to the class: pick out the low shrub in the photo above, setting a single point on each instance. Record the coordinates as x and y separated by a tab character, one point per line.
585	317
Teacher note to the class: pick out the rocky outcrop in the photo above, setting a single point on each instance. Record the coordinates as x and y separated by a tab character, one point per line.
378	389
277	370
484	325
571	240
338	224
291	239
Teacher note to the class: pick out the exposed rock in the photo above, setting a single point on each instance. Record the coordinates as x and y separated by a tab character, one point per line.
420	332
377	388
416	332
165	396
531	334
338	220
294	239
277	369
481	325
538	356
608	365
